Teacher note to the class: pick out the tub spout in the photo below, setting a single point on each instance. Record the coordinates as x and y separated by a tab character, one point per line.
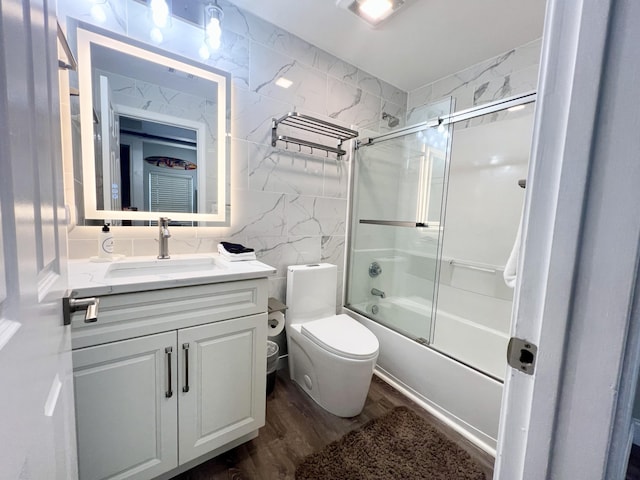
377	293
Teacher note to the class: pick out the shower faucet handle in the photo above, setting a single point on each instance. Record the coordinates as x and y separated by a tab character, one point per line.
374	269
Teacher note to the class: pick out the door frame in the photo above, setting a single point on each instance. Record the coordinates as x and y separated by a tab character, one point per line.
575	295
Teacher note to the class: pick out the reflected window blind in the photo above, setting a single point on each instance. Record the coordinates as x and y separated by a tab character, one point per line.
170	193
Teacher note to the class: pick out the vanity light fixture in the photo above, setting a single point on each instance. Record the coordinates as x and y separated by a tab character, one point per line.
204	52
97	11
160	12
156	35
373	12
284	82
213	16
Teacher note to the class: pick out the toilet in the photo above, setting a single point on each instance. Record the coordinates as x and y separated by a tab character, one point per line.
331	356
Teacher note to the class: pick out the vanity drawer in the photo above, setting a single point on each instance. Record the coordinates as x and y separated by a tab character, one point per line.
131	315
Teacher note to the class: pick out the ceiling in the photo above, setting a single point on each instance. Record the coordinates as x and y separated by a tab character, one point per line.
425	41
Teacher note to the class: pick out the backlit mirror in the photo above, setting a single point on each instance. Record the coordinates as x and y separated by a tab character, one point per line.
154	133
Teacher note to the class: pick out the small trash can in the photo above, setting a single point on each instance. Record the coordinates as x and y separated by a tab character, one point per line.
272	365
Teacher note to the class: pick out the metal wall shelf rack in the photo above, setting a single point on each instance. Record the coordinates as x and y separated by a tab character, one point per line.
315	126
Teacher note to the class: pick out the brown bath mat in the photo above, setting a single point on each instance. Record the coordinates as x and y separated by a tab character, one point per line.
399	445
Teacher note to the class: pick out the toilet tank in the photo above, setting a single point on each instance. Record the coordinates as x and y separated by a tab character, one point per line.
311	291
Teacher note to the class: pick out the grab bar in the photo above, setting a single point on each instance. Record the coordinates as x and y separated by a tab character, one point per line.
471	266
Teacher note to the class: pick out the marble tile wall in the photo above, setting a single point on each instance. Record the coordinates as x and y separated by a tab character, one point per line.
289	205
513	72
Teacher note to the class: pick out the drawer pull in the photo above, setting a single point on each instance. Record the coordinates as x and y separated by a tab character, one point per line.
167	351
185	347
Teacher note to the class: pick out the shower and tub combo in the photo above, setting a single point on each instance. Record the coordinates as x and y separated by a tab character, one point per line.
434	212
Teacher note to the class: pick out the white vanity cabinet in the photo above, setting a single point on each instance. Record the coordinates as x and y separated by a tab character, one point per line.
126	425
189	386
223	398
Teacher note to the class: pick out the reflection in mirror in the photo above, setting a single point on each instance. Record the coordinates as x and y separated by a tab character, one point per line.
159	167
154	133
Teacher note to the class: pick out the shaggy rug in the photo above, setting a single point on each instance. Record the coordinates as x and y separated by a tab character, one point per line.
399	445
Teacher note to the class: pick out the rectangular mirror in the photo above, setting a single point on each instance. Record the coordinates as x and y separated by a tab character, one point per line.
154	133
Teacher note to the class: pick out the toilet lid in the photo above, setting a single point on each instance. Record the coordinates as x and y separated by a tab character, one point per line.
342	335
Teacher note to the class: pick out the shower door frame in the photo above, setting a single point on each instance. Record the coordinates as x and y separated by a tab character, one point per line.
444	120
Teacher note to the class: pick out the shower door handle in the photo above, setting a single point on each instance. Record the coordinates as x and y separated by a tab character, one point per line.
394	223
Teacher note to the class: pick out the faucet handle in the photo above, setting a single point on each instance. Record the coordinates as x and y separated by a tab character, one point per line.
163	225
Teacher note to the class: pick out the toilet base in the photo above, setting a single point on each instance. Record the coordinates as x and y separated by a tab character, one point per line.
339	385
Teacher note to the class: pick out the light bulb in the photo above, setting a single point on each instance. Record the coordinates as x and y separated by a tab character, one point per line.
204	51
156	35
213	32
159	13
376	9
98	13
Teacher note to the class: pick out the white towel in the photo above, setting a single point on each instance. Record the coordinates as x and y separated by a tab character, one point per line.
511	268
235	257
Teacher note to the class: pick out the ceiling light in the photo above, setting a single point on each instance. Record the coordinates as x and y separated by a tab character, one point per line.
284	82
376	9
516	108
373	12
213	16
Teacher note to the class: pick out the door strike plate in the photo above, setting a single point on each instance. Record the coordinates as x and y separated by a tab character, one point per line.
521	355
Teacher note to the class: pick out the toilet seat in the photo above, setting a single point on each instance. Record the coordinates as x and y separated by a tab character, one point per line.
342	336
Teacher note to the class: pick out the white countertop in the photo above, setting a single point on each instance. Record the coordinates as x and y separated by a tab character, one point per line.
135	274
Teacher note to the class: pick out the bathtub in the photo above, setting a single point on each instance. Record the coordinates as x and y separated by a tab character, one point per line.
470	342
462	397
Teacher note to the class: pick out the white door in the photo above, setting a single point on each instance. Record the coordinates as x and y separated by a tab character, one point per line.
37	434
576	297
222	383
126	408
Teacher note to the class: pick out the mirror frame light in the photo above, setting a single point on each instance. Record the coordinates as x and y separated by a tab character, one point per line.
87	36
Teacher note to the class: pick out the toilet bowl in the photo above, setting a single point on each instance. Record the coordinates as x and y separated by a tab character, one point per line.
331	356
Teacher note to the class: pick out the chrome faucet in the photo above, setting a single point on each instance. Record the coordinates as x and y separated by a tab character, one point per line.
163	237
377	293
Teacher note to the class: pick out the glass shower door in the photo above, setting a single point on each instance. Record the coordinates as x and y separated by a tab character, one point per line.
398	192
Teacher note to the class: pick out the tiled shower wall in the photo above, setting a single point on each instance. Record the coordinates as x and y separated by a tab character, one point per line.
288	205
511	73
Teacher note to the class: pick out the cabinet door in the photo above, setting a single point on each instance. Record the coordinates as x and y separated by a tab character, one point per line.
226	383
126	408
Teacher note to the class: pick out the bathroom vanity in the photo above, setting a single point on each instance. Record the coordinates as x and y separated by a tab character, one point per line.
172	370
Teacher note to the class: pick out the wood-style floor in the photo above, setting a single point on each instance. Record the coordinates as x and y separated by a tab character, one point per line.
296	427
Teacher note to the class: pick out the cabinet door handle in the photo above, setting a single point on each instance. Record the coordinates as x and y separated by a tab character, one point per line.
167	351
185	347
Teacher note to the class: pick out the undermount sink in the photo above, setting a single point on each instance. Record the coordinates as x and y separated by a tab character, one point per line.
166	266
